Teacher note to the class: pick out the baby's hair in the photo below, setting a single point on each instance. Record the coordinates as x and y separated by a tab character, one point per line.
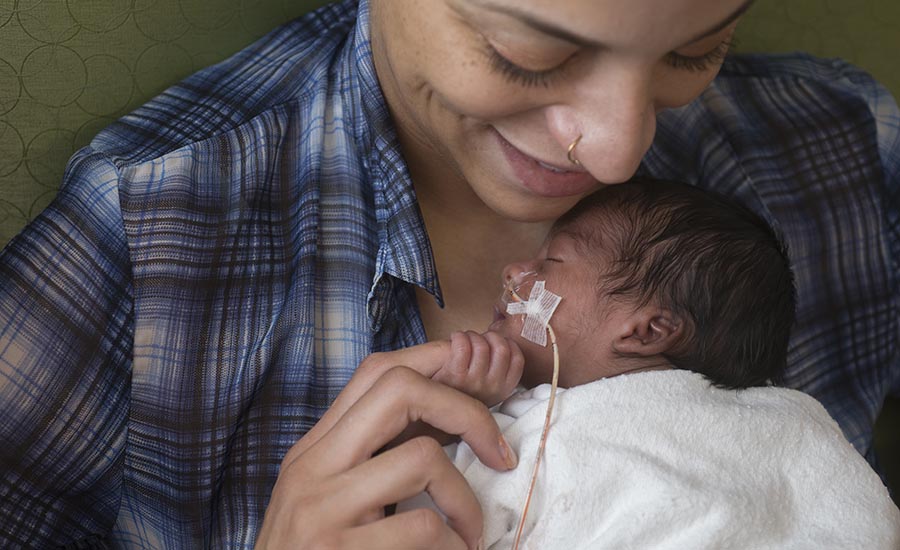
709	260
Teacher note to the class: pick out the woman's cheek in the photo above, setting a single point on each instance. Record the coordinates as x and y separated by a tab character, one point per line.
477	93
677	87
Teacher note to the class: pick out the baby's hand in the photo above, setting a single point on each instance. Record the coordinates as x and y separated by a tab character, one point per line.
487	366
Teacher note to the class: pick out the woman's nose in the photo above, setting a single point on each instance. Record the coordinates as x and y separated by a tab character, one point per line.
613	111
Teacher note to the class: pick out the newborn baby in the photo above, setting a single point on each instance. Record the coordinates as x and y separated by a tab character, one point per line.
673	323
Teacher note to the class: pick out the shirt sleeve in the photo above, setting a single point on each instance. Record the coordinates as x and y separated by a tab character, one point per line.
886	116
66	333
887	122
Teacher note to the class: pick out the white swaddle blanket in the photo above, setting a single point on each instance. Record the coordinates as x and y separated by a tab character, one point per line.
662	460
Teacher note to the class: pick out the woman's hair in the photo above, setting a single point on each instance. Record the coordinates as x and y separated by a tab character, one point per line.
712	262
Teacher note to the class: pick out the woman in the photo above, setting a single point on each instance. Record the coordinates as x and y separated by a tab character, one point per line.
218	262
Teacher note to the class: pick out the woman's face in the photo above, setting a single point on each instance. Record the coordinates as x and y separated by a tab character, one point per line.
494	91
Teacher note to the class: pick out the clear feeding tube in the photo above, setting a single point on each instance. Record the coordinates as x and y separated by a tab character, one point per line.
538	309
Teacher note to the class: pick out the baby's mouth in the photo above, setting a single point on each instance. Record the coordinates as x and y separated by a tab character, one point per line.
498	314
499	318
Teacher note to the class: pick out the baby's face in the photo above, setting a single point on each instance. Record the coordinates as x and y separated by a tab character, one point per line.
584	321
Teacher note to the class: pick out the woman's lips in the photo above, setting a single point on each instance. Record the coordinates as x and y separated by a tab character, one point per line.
543	179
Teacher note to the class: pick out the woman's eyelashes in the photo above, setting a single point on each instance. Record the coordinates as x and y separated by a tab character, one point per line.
520	75
530	78
703	62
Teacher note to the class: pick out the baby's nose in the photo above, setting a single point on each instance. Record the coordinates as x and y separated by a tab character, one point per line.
518	278
515	270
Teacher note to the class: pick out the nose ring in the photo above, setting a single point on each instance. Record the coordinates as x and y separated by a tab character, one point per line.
571	151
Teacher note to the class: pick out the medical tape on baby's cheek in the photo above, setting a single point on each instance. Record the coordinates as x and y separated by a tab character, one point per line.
538	309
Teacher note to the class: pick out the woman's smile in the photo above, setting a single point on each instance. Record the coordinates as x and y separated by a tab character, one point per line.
541	178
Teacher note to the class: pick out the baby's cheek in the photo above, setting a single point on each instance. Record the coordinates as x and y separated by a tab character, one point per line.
538	360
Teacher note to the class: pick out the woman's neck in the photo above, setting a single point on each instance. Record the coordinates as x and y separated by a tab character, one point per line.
471	245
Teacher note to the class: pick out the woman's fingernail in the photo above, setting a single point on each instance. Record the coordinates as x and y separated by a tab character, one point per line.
509	457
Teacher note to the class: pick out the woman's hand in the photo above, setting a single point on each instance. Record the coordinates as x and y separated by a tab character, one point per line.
331	492
485	366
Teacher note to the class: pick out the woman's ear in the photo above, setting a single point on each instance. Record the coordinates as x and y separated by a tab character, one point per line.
649	331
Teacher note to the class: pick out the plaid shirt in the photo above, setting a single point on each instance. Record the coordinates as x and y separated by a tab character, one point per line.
218	262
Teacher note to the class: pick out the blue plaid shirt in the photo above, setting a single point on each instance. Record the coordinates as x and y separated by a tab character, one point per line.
219	261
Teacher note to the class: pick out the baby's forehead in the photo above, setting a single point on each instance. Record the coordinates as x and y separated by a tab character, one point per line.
590	233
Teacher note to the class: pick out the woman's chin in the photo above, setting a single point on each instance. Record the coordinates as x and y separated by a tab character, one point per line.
519	205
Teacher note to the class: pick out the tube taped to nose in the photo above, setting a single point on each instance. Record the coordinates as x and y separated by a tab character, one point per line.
538	309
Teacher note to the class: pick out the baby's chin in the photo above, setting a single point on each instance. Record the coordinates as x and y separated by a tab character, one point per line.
537	369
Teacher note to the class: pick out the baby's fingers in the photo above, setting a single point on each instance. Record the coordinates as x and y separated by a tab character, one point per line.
453	373
506	363
516	364
482	353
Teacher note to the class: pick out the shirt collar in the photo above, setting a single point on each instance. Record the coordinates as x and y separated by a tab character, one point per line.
404	249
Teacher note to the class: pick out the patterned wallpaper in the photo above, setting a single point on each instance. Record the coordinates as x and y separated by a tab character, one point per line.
69	67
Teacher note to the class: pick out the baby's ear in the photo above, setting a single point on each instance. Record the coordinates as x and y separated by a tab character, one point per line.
649	331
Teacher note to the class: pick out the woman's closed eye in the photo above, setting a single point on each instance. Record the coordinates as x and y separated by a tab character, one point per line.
520	75
703	62
545	77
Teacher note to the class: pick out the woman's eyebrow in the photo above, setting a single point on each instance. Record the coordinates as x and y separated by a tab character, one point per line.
564	34
537	24
724	23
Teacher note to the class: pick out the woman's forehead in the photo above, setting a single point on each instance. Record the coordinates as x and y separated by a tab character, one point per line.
607	23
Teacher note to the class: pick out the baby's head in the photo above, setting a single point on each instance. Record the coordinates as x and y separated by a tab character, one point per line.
658	274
